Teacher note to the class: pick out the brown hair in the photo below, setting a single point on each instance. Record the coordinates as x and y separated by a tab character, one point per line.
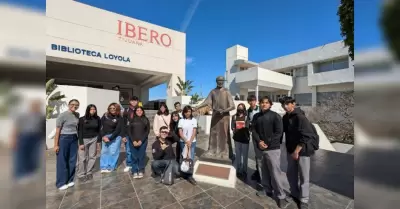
117	108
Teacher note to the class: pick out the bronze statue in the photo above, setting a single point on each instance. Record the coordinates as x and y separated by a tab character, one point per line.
221	102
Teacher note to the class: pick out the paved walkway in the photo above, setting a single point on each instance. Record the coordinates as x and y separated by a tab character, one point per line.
119	190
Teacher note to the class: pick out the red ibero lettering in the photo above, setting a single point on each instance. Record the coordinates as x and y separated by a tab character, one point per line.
140	33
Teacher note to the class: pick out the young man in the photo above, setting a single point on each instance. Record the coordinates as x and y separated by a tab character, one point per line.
267	131
163	154
178	108
128	114
300	136
254	109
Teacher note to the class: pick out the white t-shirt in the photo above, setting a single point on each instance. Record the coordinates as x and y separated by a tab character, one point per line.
187	126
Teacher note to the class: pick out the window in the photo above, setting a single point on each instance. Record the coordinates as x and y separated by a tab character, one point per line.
289	73
242	69
303	99
332	65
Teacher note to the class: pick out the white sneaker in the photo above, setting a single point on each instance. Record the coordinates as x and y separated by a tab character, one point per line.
127	169
71	184
140	175
63	188
135	176
109	171
103	171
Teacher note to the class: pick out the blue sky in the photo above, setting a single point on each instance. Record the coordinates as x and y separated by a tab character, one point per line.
269	28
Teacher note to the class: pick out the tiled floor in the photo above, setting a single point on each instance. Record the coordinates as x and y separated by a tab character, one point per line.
119	190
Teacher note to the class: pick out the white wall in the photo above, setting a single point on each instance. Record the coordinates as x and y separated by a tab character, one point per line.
263	77
16	45
331	77
327	51
77	25
300	85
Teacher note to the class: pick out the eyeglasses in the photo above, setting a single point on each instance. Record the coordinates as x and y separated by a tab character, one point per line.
74	105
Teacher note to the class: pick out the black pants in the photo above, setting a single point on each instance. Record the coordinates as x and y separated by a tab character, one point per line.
178	152
158	166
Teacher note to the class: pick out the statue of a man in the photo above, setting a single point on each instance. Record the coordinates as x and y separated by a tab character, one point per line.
221	102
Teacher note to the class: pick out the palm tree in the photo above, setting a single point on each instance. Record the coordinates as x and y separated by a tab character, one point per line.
51	97
185	87
195	98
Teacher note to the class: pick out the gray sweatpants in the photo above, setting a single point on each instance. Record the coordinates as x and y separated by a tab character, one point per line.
296	168
270	173
257	154
87	157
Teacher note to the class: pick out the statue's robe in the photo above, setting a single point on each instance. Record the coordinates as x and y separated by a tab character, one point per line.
220	140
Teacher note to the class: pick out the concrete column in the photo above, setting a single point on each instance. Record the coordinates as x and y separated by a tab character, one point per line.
144	95
256	91
314	96
172	88
232	54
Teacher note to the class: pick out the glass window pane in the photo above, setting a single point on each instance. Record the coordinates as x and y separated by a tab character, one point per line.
303	99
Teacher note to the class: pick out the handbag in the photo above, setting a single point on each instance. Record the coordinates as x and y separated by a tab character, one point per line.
187	164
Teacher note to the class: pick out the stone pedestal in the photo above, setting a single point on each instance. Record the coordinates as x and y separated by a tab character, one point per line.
215	173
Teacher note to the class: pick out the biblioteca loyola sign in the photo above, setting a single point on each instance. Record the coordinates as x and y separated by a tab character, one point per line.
89	53
136	34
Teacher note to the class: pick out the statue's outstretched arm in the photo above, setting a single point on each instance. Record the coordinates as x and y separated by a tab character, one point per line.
206	102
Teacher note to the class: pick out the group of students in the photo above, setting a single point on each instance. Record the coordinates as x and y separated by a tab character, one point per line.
76	140
265	128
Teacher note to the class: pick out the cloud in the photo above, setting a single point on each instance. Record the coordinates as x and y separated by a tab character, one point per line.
189	14
189	60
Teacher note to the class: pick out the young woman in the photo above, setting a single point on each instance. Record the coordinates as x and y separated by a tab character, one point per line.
138	131
187	132
66	145
112	129
162	118
174	133
241	136
88	136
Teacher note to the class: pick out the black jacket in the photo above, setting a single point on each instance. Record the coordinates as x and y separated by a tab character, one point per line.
241	135
138	128
267	126
89	128
298	131
159	154
112	125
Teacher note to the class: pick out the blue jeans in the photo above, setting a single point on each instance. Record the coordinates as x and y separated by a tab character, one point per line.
128	153
242	154
192	149
138	156
66	159
27	154
110	153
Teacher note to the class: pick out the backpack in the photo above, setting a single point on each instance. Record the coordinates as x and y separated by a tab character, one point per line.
168	176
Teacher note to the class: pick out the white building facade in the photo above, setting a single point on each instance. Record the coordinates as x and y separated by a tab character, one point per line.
309	76
94	48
